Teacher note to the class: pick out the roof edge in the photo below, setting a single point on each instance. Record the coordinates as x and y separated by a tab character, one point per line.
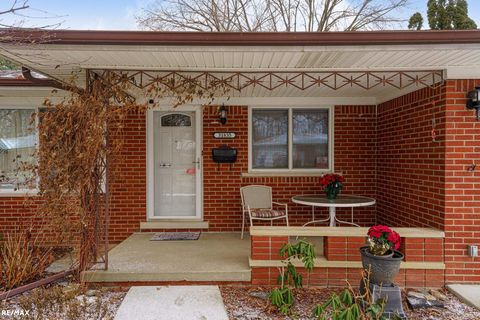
7	82
104	37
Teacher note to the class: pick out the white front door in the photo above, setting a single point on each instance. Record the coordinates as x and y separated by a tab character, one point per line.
176	165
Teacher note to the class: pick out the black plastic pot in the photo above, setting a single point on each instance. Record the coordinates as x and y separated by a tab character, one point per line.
383	269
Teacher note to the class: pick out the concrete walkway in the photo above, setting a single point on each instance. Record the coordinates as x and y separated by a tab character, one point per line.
173	303
467	293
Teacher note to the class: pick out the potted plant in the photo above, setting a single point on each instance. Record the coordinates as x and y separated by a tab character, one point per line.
380	257
332	184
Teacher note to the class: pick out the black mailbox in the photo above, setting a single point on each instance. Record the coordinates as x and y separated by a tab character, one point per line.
224	154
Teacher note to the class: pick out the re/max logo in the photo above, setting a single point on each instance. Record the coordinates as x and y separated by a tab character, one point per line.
15	313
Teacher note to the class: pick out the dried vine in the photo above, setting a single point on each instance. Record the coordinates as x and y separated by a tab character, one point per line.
75	147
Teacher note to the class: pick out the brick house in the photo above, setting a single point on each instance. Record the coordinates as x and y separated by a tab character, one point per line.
389	112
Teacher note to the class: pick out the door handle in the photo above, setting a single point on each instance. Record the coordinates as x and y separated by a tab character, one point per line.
165	165
197	162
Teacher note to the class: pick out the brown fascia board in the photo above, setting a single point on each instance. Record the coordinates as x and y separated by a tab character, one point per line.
84	37
6	82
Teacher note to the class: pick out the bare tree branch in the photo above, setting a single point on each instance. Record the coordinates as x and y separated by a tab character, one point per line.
19	14
272	15
206	15
16	7
14	16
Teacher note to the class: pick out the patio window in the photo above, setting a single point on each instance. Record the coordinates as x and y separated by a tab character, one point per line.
18	140
290	139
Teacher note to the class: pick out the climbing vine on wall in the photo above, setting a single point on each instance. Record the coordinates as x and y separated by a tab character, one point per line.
76	149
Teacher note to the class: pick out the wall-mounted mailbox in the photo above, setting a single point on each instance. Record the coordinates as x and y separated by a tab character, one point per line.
224	154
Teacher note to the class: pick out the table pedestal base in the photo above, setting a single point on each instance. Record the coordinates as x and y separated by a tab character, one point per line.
332	218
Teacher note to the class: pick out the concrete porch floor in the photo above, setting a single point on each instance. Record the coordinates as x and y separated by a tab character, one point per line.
213	257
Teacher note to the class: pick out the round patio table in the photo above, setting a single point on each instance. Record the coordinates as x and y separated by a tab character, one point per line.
342	201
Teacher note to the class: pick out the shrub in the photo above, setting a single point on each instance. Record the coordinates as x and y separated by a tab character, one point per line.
282	297
21	261
57	304
351	306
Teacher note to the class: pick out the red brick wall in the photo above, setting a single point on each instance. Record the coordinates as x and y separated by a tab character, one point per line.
426	183
462	188
391	156
338	277
16	214
221	184
354	157
354	144
129	188
410	165
343	249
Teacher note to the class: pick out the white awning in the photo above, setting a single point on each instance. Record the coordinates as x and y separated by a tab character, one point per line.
452	60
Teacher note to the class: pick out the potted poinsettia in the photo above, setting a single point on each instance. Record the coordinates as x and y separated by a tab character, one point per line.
380	257
332	183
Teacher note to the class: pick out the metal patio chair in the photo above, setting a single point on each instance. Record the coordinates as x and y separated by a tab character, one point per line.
257	202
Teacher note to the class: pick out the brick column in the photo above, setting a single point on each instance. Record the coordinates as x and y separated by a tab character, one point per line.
462	197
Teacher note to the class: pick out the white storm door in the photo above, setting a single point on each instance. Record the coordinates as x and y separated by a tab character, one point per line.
176	165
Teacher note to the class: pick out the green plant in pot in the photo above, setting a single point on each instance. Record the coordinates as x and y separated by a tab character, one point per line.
332	183
380	257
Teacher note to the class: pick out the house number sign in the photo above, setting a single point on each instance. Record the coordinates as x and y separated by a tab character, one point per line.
224	135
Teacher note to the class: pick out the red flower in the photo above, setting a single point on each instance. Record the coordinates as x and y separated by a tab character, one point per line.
394	238
330	178
374	234
378	230
382	235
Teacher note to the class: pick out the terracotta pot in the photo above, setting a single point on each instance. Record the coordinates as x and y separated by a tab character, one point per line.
383	269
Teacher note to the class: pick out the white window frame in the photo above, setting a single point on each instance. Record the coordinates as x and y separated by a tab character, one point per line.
22	192
290	168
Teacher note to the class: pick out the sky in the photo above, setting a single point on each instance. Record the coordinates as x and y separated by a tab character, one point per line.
120	14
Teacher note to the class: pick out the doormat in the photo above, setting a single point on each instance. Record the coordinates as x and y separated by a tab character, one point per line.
169	236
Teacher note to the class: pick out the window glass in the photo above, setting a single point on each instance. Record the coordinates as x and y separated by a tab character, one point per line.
310	139
270	138
176	120
18	141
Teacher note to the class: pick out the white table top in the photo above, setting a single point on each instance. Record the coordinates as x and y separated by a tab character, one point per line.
342	201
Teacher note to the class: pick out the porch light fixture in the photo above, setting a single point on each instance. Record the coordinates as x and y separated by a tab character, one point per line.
222	114
474	101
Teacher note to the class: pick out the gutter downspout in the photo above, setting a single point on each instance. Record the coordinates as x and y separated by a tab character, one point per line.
27	74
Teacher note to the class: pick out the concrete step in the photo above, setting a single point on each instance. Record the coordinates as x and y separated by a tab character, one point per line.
104	276
468	293
173	224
